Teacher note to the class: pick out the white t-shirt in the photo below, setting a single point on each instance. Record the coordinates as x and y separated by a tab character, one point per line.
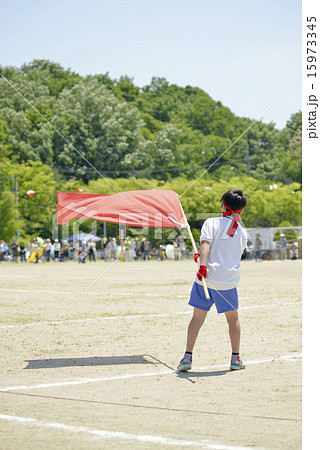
223	262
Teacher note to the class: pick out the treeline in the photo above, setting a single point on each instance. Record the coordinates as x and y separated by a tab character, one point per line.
159	135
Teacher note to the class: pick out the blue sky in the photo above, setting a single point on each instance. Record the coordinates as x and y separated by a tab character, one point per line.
244	53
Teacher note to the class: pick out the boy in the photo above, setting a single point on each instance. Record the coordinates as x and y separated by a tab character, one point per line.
222	243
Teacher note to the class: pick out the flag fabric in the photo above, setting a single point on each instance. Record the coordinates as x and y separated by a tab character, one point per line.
143	208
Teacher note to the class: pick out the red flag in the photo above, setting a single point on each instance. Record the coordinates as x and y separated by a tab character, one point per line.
145	208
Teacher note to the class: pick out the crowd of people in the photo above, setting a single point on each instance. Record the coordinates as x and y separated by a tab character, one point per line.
39	250
130	249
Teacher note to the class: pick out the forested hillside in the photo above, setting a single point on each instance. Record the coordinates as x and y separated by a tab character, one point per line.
84	128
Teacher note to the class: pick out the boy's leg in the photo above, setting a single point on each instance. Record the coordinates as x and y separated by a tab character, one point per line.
195	324
193	330
234	329
234	333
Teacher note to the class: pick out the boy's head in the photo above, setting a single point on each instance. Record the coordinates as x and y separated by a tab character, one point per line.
234	199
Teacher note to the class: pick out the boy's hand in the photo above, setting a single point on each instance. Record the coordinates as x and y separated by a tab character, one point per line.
196	256
202	272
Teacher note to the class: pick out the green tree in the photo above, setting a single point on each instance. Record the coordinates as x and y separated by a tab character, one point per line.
50	74
5	149
101	129
8	217
125	89
35	212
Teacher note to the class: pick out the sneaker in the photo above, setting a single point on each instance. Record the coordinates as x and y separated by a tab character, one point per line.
184	364
237	364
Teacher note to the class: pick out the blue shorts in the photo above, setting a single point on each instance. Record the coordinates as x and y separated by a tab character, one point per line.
224	300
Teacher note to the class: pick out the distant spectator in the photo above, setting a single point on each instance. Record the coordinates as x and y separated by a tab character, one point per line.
23	251
84	246
283	247
75	250
249	250
65	251
92	250
57	248
2	248
160	253
142	249
293	253
147	249
83	252
257	247
112	248
137	249
129	253
105	248
176	249
133	249
15	250
47	250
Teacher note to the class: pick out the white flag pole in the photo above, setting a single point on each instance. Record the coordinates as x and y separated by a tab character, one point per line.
195	251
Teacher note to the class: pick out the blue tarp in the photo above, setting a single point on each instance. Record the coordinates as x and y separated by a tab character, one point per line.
83	237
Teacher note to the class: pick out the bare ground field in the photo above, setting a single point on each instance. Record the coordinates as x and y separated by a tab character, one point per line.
89	352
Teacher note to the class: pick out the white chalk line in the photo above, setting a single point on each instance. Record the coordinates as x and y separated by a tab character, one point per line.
32	291
129	294
144	374
147	438
135	316
106	295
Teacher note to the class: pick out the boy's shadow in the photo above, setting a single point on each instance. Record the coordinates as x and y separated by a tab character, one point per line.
189	374
91	361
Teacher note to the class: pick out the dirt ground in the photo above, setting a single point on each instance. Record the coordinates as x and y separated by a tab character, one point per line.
89	353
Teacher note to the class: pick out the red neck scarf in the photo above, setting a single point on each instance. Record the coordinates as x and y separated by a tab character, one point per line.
236	219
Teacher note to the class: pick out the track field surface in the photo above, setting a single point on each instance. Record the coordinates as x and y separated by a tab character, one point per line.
89	351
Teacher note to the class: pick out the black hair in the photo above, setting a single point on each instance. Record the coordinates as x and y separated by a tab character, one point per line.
234	199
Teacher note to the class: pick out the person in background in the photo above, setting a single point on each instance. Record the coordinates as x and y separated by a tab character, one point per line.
142	248
2	245
105	248
147	249
30	248
128	252
91	250
176	249
137	249
57	248
23	251
133	249
249	249
65	251
15	250
160	253
257	247
47	250
283	247
294	253
112	248
75	250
